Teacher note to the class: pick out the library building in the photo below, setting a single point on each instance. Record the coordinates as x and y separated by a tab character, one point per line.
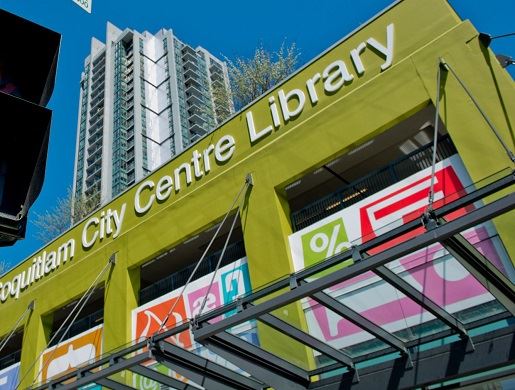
352	228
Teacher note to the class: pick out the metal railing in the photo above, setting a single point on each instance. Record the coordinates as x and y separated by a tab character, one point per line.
178	279
79	326
371	183
10	359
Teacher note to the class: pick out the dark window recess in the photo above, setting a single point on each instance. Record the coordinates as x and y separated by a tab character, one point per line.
178	279
372	183
79	326
9	360
91	315
11	353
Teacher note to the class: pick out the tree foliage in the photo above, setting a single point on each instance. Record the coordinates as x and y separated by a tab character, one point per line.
250	78
221	100
63	215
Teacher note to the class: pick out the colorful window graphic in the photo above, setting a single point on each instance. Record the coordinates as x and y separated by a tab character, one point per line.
431	270
149	320
72	353
9	377
232	281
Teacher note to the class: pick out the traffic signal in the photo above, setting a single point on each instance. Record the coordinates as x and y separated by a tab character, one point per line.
28	62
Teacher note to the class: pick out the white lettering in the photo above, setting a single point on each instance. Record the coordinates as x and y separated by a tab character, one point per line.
118	220
41	265
310	85
195	159
356	59
255	136
177	175
207	163
387	51
62	251
224	148
285	98
15	286
275	112
335	75
164	188
87	243
50	263
5	291
137	197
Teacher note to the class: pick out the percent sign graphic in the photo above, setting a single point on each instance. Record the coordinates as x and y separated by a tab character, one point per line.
321	242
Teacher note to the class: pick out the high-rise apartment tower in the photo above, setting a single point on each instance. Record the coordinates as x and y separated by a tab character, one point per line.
143	99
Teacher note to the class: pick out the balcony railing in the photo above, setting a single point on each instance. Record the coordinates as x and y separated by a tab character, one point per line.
195	118
189	56
194	100
371	183
178	279
197	130
192	81
79	326
9	360
190	72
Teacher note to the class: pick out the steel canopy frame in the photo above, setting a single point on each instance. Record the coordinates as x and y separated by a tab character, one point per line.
411	292
267	369
201	370
440	233
358	320
451	361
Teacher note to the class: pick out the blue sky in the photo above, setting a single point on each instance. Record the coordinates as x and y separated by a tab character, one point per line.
227	28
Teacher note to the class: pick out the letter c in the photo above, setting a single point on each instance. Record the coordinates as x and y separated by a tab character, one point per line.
137	204
89	243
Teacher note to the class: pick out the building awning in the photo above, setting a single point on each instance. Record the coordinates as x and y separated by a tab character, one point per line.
436	339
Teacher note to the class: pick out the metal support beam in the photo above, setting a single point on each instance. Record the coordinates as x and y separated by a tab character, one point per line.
414	343
433	366
269	368
440	233
440	212
358	320
202	371
411	292
306	339
482	269
114	385
474	196
115	366
160	378
453	360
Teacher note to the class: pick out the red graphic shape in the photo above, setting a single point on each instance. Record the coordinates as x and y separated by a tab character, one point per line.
149	320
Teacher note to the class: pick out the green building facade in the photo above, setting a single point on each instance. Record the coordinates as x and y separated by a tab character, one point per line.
295	173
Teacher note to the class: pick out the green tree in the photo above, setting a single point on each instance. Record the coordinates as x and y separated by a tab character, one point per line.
63	215
250	78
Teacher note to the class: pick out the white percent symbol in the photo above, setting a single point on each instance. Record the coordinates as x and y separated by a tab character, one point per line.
321	242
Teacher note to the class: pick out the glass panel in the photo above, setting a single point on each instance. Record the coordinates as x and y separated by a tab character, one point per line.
384	305
285	347
440	277
338	332
477	383
485	238
246	331
125	378
144	383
